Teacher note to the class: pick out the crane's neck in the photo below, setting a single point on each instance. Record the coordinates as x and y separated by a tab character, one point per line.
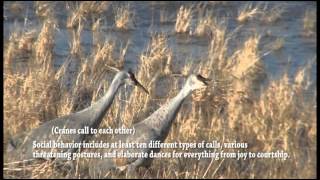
100	107
162	119
185	92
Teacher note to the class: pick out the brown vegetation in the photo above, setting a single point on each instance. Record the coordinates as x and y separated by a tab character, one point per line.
229	109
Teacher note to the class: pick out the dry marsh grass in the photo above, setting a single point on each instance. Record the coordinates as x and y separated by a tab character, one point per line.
85	10
280	117
26	41
165	17
249	11
45	9
204	25
245	58
124	17
183	21
155	63
276	45
309	22
17	47
273	14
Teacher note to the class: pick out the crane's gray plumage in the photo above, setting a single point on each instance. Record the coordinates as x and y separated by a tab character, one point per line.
156	127
90	117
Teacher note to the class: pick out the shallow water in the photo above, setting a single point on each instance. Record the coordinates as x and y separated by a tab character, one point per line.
298	48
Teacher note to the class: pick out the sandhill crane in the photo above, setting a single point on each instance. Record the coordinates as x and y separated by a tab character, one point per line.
90	117
154	128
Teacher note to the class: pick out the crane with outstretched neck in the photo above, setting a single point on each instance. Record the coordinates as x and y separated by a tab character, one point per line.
90	117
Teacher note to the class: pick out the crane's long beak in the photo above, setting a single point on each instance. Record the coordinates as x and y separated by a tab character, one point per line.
140	86
204	80
137	83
